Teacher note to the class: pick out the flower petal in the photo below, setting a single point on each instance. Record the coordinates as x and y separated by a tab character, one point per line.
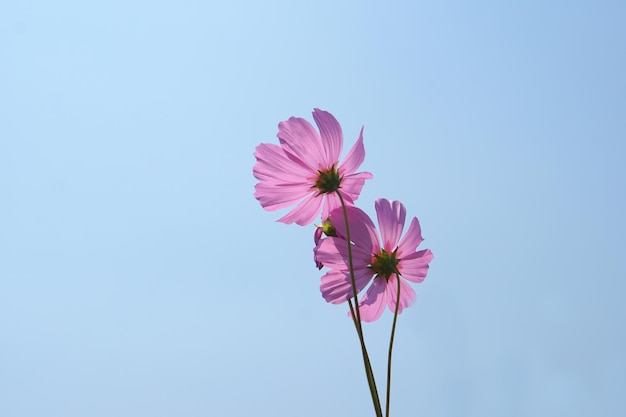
362	229
351	185
373	304
305	212
317	235
336	285
331	203
414	267
302	142
407	295
412	238
275	197
273	164
391	217
355	156
332	137
333	253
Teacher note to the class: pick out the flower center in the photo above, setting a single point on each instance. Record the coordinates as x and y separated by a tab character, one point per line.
327	181
385	264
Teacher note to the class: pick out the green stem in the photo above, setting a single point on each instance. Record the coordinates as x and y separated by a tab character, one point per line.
356	316
368	369
393	332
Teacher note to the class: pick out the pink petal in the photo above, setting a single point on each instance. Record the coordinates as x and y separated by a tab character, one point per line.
302	143
355	156
305	212
336	286
372	305
414	267
411	240
275	165
351	185
362	229
332	202
333	253
391	216
317	235
349	195
332	137
407	295
275	197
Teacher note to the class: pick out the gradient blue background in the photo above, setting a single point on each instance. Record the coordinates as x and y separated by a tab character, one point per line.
139	276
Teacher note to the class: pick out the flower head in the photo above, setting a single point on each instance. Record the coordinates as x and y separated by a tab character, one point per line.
305	170
395	259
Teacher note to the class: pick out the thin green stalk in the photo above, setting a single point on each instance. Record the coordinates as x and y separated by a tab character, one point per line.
393	332
368	370
357	317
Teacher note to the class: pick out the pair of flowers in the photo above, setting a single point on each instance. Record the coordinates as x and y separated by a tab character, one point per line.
305	170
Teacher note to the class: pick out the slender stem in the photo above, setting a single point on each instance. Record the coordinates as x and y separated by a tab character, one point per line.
357	317
351	263
368	370
393	332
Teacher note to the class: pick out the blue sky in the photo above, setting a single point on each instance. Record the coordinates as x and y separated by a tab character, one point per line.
139	276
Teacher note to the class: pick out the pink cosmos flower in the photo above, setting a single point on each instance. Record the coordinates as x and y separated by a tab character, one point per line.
396	259
305	169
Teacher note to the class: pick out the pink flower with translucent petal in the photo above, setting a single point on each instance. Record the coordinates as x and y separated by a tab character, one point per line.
396	259
305	170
